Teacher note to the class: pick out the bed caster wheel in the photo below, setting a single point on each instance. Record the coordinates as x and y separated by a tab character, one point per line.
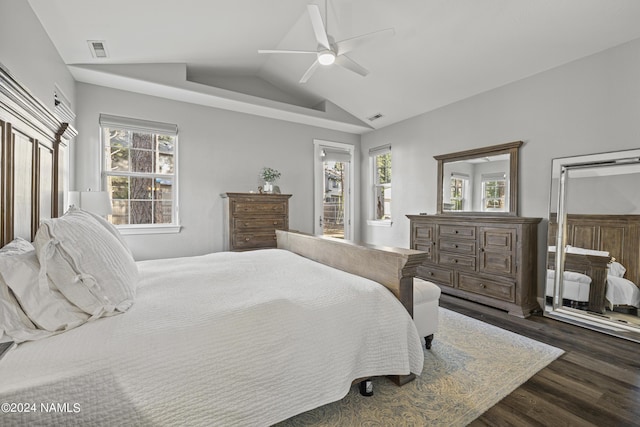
366	388
427	341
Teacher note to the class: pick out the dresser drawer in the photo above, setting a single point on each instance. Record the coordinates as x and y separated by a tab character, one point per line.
502	290
458	246
435	274
244	207
458	261
458	231
424	232
275	222
254	240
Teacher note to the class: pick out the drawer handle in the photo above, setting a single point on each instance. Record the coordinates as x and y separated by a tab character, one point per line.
246	224
431	273
456	232
482	285
455	246
455	261
275	222
247	239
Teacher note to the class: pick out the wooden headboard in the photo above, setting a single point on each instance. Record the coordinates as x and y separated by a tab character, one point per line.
617	234
33	161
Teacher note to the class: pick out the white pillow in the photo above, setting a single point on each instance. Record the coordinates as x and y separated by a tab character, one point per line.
16	246
42	303
87	263
14	322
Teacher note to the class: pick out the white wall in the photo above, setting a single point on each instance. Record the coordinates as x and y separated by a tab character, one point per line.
219	151
29	55
588	106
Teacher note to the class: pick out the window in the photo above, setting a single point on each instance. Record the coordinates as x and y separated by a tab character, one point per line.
494	190
457	193
381	165
139	171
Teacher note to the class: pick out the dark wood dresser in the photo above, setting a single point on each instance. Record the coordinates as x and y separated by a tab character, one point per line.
251	220
488	259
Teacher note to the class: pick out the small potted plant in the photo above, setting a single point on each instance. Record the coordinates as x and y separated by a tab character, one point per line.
269	176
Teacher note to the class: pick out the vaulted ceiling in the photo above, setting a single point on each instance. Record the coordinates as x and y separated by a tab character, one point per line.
206	51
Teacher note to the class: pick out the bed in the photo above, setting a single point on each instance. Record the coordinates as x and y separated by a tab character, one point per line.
246	338
603	256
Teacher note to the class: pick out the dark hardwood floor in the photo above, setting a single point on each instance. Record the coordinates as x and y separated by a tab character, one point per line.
596	382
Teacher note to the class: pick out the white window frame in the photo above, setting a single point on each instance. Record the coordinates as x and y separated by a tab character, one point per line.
464	200
373	153
491	177
139	125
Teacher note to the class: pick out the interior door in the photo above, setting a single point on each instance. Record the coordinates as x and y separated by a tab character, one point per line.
333	198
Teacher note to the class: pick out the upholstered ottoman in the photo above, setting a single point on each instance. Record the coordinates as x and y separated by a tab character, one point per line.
426	298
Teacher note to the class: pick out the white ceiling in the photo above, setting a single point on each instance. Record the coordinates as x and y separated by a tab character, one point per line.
442	50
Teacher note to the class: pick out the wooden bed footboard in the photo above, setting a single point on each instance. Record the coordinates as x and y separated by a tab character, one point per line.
592	266
391	267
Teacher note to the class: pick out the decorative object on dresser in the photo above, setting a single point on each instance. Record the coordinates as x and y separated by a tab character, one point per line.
488	259
252	219
269	176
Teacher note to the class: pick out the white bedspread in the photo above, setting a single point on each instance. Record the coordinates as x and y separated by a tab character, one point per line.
621	291
224	339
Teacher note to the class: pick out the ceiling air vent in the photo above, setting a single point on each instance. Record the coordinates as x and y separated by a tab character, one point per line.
98	48
375	117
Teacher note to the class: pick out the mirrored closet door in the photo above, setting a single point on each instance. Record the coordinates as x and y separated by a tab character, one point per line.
593	261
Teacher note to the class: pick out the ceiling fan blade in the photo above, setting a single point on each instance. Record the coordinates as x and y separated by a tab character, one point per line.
348	63
348	45
286	51
318	25
309	72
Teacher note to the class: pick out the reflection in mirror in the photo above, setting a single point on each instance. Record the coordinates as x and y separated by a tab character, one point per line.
476	185
595	217
483	180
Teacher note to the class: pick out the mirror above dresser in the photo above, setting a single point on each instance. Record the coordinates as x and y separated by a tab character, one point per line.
479	181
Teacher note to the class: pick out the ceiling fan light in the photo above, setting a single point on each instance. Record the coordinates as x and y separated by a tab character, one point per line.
326	57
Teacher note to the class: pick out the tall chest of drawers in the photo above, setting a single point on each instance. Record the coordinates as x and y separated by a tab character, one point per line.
487	259
251	220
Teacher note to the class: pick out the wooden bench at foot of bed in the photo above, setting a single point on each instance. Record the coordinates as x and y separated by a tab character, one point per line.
391	267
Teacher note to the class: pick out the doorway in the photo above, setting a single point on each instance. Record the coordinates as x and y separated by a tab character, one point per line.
333	198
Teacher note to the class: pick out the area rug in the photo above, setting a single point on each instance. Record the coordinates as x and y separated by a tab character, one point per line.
471	366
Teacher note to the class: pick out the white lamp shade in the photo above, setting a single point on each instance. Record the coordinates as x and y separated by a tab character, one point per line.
97	202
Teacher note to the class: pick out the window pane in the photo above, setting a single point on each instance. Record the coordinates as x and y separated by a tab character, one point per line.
163	189
120	212
141	212
118	186
141	161
383	203
163	212
142	140
383	168
117	137
141	188
165	163
166	144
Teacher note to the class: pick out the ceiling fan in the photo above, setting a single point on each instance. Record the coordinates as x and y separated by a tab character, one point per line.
330	52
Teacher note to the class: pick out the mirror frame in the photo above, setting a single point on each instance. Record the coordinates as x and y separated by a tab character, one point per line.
511	148
555	310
